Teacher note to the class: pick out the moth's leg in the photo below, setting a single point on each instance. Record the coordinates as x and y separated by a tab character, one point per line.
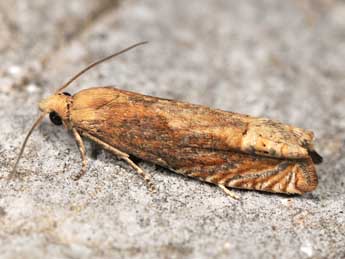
125	157
81	147
228	192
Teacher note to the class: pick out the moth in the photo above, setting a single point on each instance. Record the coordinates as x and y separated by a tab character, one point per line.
227	149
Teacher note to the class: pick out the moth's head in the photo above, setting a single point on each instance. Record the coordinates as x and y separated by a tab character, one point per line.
57	106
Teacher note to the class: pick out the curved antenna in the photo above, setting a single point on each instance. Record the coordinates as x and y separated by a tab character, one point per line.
97	63
37	122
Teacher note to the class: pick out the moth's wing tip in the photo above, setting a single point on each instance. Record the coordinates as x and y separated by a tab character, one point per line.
317	159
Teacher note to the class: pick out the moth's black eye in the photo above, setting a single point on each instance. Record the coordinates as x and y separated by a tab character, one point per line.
65	93
55	118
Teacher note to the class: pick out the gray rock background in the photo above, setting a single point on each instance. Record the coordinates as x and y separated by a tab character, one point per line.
279	59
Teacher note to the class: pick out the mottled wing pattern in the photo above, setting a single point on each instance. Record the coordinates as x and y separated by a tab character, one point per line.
197	141
239	170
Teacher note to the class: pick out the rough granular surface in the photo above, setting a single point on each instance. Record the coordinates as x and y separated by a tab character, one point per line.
278	59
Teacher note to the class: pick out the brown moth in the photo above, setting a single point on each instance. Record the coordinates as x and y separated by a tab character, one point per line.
224	148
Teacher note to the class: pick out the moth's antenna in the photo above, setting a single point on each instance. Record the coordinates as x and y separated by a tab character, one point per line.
37	122
97	63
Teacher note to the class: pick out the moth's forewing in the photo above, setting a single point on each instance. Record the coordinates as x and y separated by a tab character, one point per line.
129	114
152	128
239	170
190	139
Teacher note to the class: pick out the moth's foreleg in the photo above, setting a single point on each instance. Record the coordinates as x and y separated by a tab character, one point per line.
125	157
81	147
228	192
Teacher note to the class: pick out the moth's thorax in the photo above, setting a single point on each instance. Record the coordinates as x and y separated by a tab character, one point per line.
58	103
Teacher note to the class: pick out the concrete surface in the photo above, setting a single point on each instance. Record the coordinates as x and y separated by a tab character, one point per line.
279	59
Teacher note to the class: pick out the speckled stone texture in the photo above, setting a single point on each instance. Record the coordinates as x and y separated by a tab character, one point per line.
279	59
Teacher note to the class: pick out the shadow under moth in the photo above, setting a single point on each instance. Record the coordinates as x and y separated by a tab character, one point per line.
224	148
